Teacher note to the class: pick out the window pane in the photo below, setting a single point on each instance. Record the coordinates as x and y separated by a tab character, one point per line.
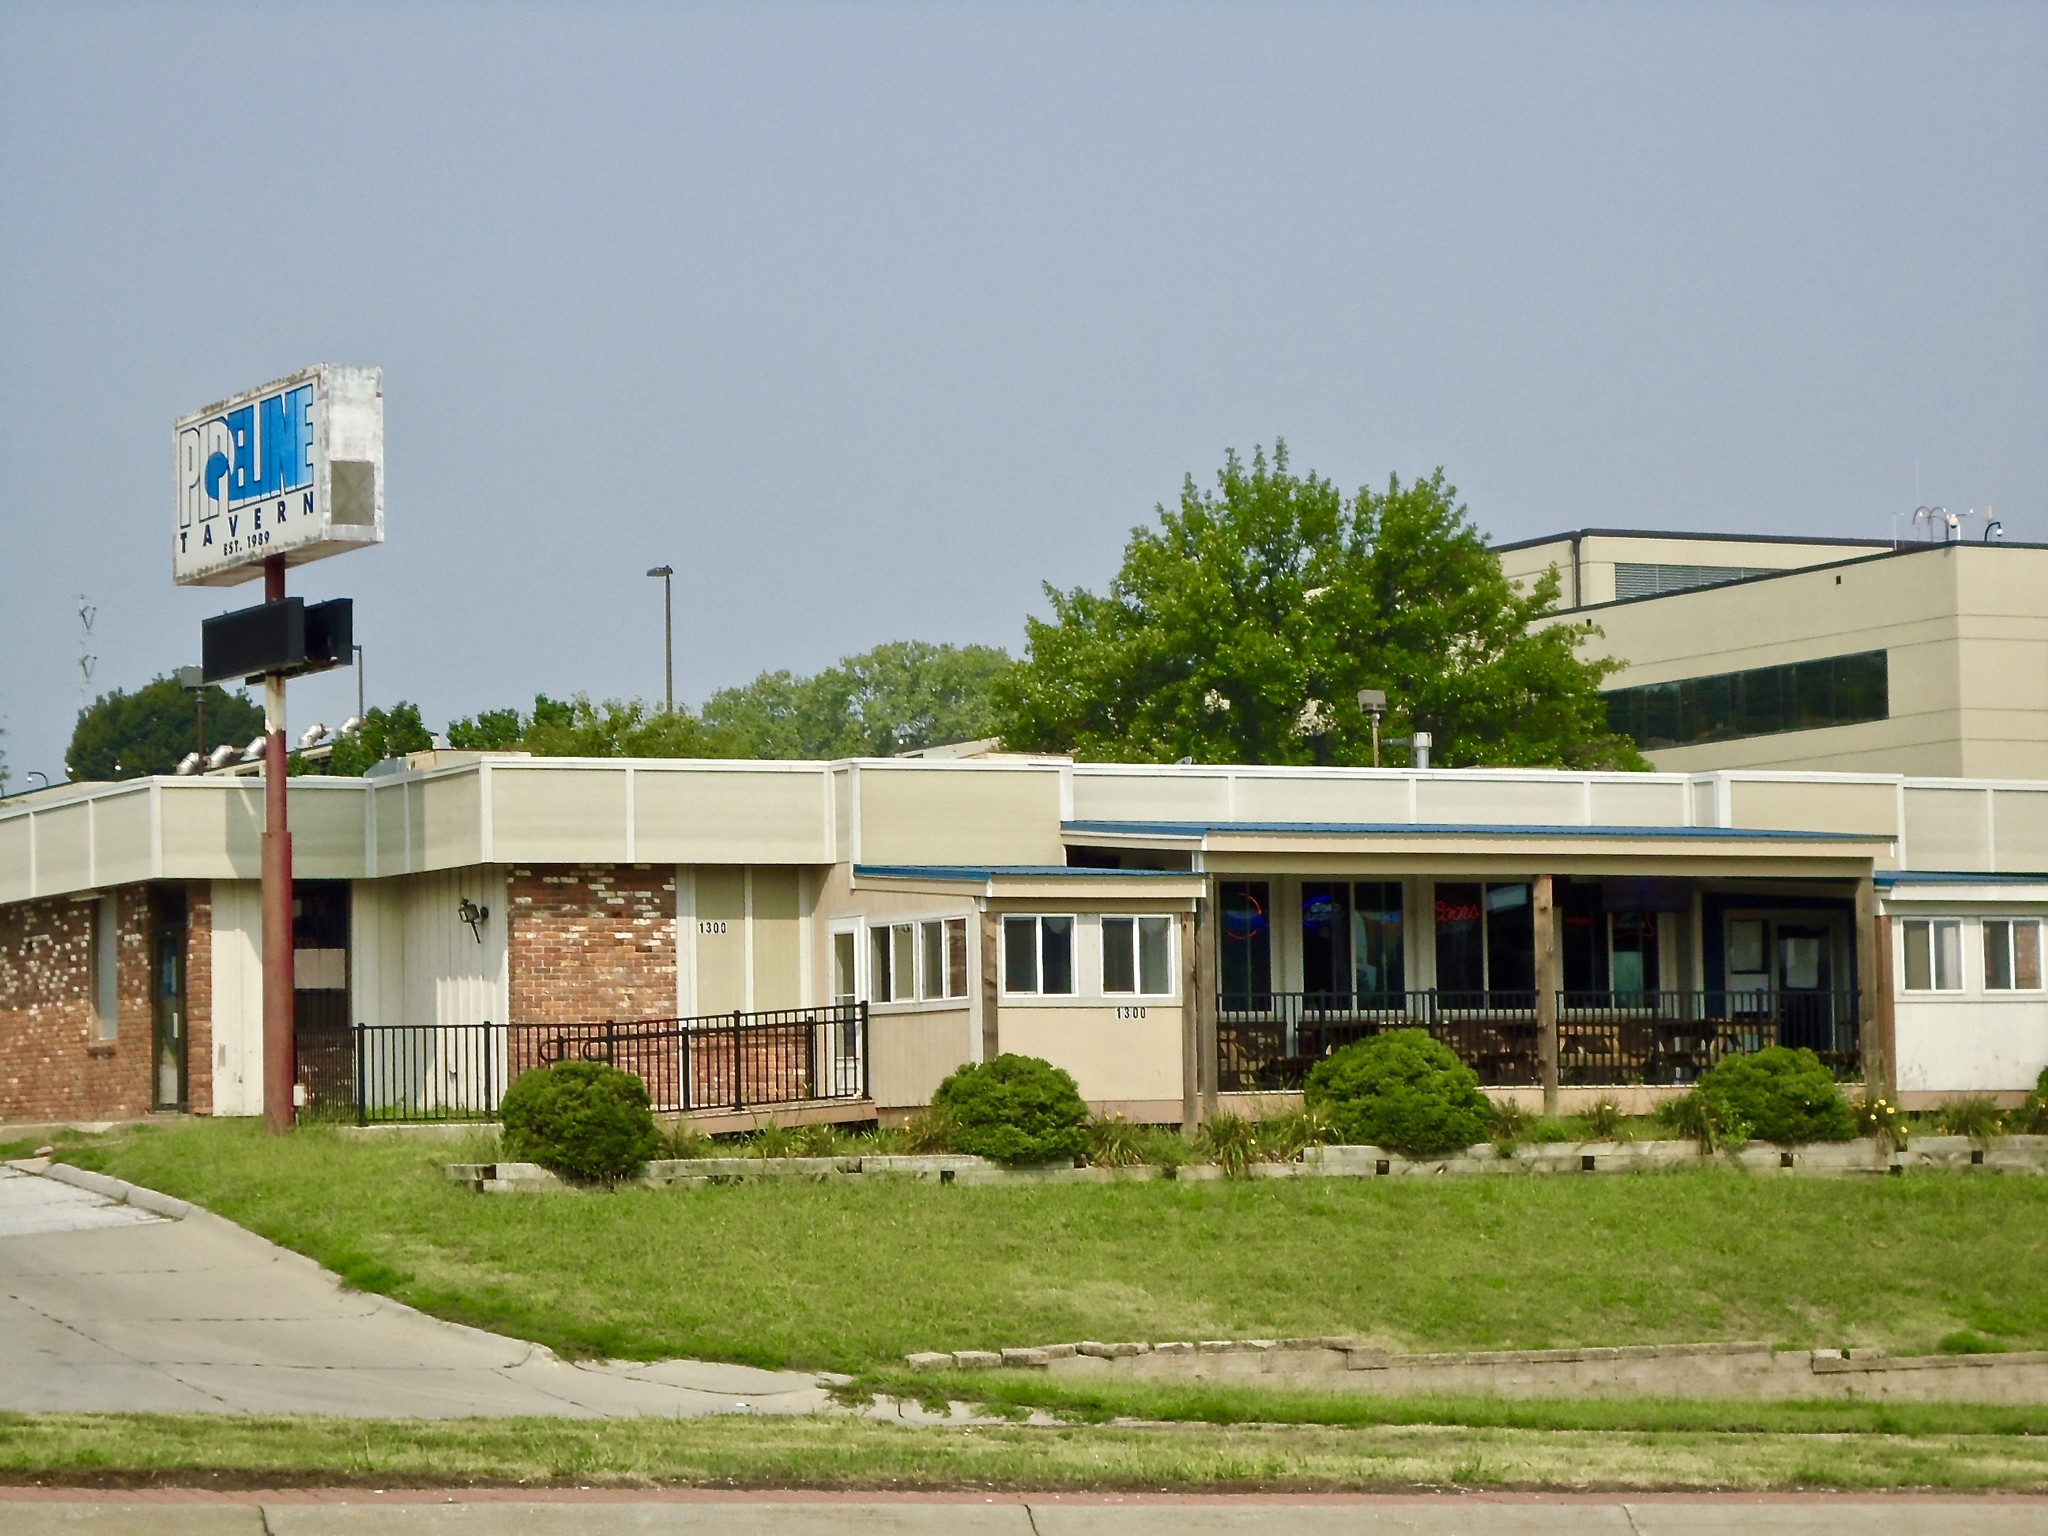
1376	942
1020	954
931	975
843	952
1460	957
1510	940
1245	942
956	957
1919	966
2026	956
1119	954
1746	946
903	966
1057	939
1155	955
1948	956
878	966
106	954
1997	955
1325	937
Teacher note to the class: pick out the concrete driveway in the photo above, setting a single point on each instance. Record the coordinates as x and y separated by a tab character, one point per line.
118	1300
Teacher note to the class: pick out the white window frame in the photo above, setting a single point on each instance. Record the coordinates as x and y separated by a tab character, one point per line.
1037	921
911	984
1926	929
1137	920
2012	925
938	989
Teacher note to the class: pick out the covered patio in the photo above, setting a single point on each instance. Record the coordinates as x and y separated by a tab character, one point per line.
1547	958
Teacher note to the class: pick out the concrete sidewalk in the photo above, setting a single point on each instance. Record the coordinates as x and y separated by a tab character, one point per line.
109	1307
361	1514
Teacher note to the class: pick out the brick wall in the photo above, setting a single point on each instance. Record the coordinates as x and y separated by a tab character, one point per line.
590	942
53	1066
199	997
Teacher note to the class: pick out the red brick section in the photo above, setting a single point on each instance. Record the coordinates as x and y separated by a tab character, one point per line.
590	942
52	1066
199	997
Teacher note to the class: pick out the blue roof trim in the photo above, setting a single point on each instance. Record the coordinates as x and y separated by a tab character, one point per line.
1891	877
985	872
1196	829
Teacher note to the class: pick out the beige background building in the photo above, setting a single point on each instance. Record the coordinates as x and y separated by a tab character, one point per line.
1958	633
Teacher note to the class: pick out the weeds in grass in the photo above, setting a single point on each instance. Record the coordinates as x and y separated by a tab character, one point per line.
1510	1121
2031	1118
1606	1120
1113	1142
1284	1137
919	1136
1700	1119
772	1140
684	1140
1164	1146
1972	1114
1879	1117
1231	1142
1968	1341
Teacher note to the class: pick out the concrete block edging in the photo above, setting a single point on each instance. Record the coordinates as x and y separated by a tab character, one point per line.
1864	1157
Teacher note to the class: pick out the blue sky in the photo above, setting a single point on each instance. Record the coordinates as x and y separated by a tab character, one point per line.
871	318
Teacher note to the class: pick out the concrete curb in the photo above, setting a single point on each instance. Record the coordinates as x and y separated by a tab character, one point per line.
121	1190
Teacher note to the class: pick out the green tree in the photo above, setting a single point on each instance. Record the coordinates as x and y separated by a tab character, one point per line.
579	728
384	733
127	735
1242	628
895	698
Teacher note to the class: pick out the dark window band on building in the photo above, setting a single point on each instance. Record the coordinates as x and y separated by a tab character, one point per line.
1800	696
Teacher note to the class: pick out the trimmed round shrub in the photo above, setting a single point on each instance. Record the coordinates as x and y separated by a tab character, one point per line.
1402	1090
1779	1095
582	1119
1015	1109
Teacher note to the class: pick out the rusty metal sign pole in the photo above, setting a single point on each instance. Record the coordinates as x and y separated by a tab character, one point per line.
280	1048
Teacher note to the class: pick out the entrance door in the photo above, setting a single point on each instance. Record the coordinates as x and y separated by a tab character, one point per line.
1805	986
167	1000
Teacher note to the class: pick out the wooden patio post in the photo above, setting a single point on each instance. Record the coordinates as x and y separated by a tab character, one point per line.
1544	901
1190	1030
1873	992
991	952
1205	1006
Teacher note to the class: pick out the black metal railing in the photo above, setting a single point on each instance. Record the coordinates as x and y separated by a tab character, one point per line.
1269	1040
729	1061
1672	1037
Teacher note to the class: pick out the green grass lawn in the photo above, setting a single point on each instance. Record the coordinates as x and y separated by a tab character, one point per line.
222	1450
855	1274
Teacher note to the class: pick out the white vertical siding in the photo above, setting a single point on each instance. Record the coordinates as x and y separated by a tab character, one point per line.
237	997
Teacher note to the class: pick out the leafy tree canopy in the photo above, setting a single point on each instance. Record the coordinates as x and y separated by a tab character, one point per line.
384	733
127	735
894	698
1242	628
579	728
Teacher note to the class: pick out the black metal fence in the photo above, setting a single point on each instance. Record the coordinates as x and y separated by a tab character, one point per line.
1269	1040
730	1061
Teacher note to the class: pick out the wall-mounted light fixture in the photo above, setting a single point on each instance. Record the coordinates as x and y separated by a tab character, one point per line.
473	915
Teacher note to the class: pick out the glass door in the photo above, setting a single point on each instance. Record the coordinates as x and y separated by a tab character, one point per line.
167	1001
1805	985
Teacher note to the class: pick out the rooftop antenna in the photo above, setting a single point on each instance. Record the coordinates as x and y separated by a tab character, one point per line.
86	614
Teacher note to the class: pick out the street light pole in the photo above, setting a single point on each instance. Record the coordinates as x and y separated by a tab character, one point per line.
667	573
